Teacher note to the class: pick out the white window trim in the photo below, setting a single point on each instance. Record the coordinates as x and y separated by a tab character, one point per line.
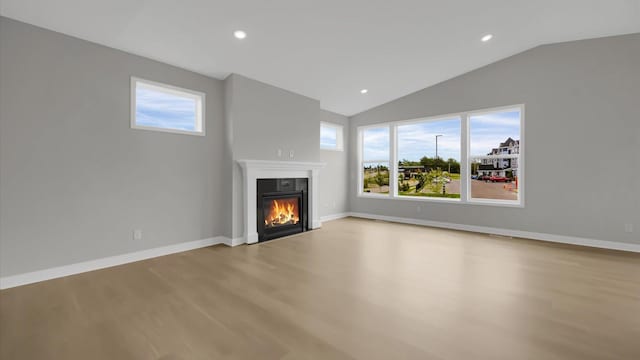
339	136
465	186
395	125
361	162
521	168
198	96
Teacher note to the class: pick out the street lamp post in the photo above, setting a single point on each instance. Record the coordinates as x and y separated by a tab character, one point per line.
437	136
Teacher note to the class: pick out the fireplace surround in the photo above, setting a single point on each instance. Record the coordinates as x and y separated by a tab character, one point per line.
252	170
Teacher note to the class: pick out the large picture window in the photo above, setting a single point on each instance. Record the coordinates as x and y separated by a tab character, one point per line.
473	157
429	158
374	168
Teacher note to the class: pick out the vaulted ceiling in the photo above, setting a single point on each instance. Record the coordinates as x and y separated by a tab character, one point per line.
330	49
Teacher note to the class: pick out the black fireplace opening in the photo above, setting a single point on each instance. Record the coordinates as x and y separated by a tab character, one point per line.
282	207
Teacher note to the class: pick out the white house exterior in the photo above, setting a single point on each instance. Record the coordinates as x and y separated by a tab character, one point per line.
501	160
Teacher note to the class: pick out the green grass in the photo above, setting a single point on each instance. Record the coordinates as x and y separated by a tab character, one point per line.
410	193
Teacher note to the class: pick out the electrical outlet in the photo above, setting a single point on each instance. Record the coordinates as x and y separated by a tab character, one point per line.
628	228
279	152
137	234
290	154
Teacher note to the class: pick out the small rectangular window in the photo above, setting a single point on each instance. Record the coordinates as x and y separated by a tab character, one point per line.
331	136
161	107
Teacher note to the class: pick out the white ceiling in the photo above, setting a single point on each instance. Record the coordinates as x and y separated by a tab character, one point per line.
330	49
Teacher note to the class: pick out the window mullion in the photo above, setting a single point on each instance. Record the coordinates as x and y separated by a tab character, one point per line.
465	165
393	161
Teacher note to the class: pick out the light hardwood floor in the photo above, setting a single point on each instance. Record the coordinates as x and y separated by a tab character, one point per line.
355	289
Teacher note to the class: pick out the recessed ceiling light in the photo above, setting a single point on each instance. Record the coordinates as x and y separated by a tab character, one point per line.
487	37
364	91
239	34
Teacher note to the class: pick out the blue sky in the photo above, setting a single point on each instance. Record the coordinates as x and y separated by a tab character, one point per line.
376	144
487	131
418	140
162	110
328	136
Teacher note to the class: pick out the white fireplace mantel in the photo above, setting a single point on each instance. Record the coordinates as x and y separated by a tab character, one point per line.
265	169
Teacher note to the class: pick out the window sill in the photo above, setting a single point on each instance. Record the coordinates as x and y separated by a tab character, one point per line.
409	198
375	196
499	203
487	202
171	131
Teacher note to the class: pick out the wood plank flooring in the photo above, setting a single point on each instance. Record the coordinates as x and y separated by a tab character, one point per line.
355	289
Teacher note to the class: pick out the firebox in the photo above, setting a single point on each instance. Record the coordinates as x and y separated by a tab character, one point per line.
281	207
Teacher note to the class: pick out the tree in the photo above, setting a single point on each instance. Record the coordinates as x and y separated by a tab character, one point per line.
438	163
427	162
403	185
474	168
437	181
453	166
433	180
405	162
381	180
422	180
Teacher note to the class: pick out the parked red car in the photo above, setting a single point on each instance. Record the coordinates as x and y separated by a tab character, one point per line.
499	179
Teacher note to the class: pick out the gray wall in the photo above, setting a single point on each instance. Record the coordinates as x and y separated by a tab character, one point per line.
262	119
334	178
266	118
582	126
75	180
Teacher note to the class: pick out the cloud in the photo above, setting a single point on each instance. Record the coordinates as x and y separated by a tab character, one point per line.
419	139
487	131
504	118
158	109
328	136
416	140
376	144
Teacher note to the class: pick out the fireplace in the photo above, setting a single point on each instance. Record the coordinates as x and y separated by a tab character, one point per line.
282	207
268	171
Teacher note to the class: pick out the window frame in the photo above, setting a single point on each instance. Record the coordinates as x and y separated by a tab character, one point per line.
339	136
465	165
419	121
361	161
521	168
199	97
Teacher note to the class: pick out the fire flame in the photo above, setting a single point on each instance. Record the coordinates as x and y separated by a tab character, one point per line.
282	212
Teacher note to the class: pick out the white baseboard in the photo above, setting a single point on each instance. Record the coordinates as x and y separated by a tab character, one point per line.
66	270
233	242
603	244
333	217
